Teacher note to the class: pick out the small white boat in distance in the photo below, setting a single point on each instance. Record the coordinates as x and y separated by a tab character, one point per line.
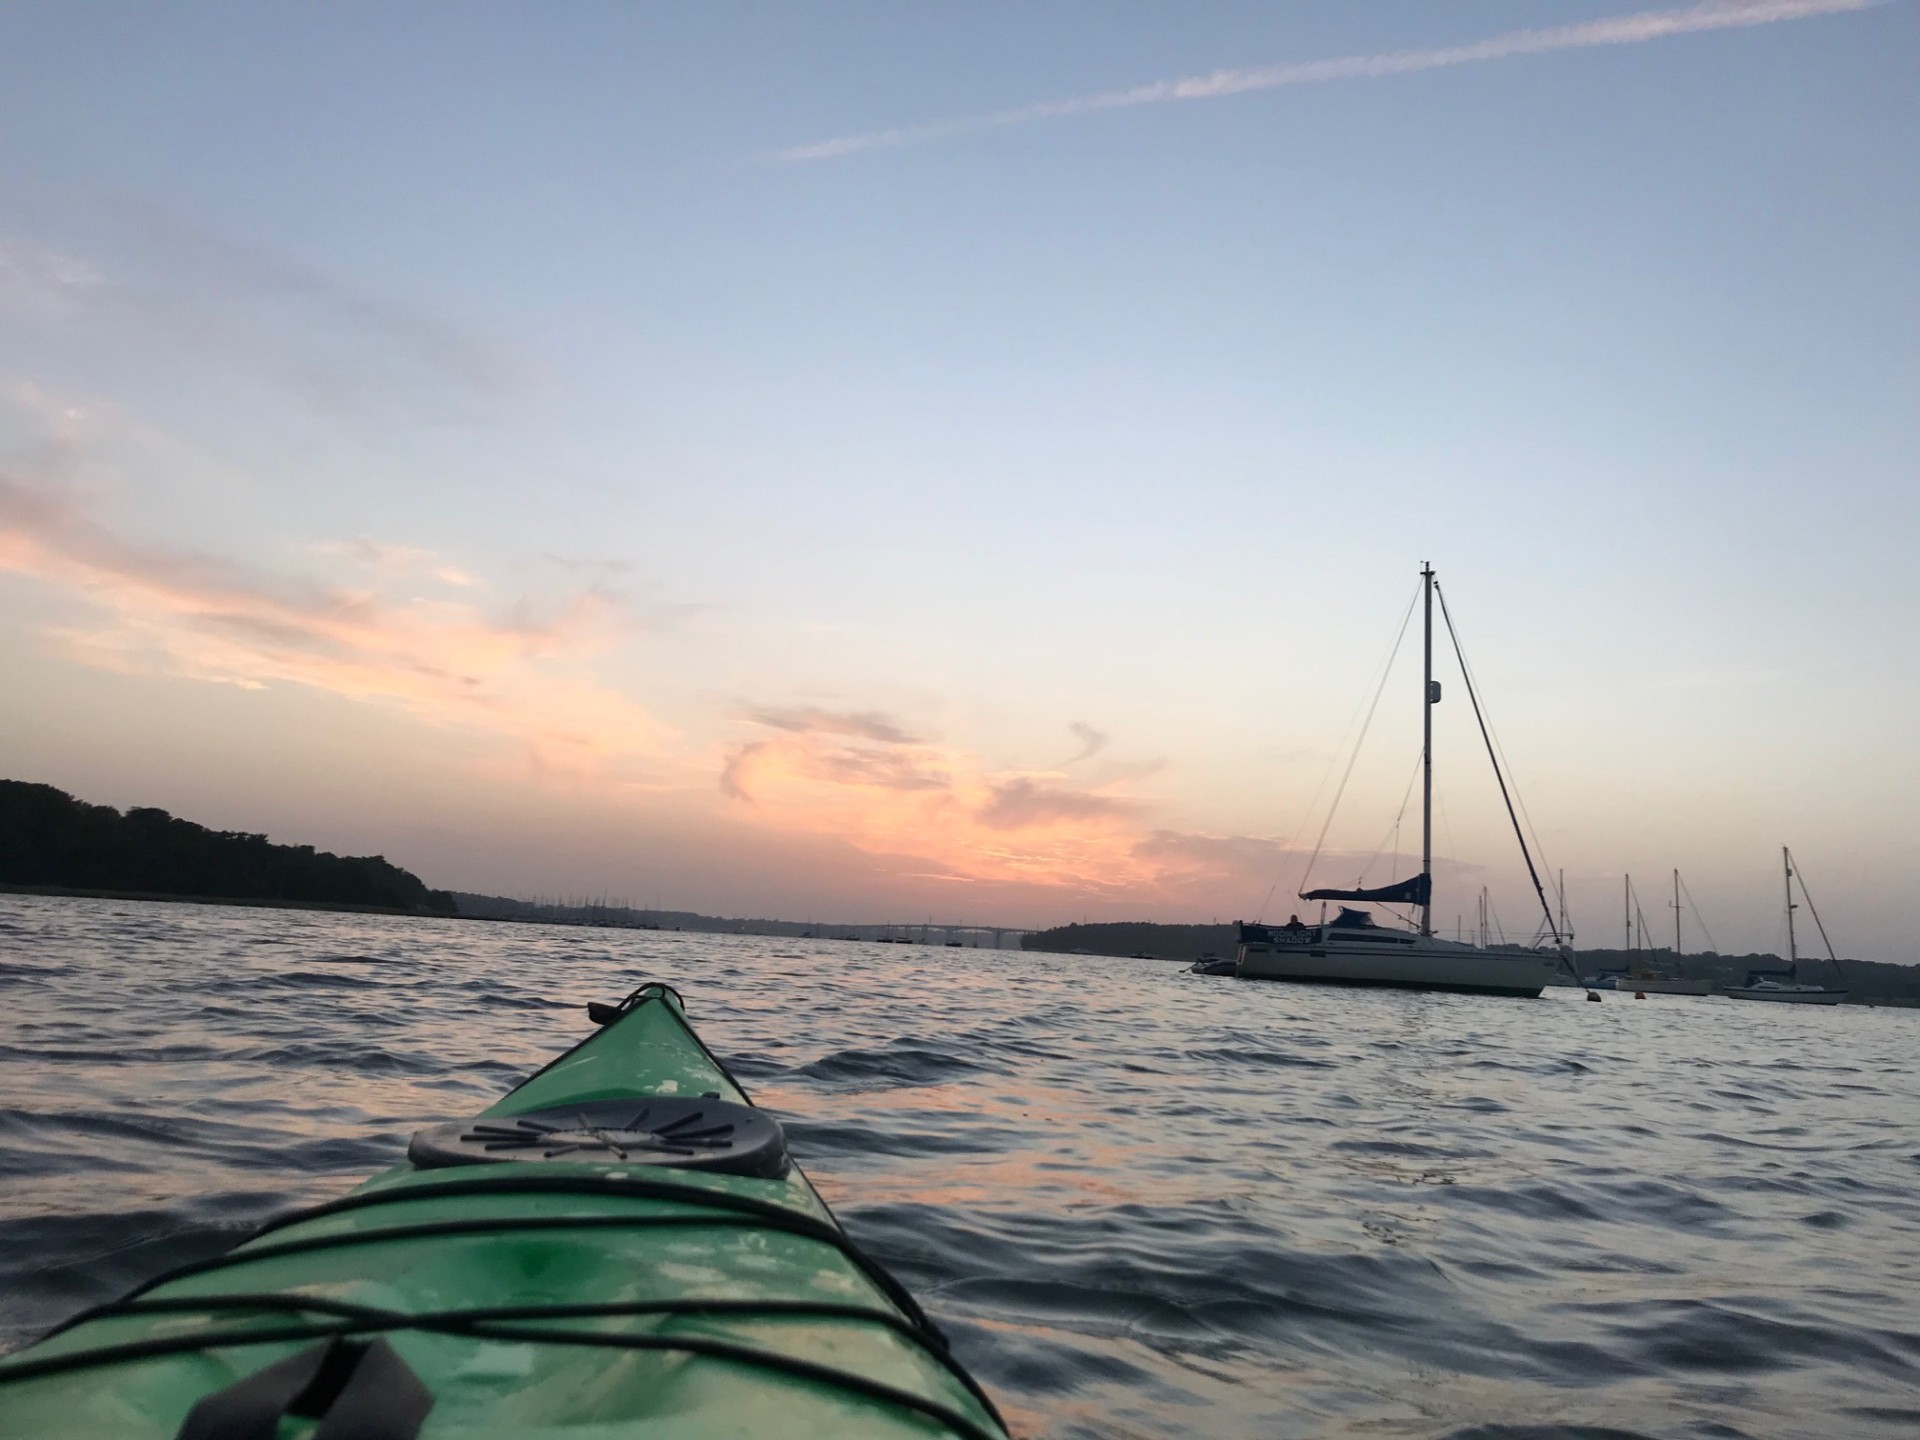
1762	985
1663	985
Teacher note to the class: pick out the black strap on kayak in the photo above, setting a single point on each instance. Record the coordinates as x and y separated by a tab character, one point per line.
358	1390
647	990
722	1207
461	1320
483	1326
519	1224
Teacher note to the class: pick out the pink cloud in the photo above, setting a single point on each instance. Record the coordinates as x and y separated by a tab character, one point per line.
927	808
1023	803
148	608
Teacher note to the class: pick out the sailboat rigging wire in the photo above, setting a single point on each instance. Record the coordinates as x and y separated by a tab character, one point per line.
1392	837
1640	919
1553	927
1698	919
1318	790
1496	750
1807	895
1393	873
1379	690
1446	828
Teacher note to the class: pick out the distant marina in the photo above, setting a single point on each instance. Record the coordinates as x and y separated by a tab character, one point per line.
40	814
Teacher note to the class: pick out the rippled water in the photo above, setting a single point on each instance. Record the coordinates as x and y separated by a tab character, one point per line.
1144	1203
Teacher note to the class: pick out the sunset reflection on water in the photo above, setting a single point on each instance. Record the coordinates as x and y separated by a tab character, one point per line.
1144	1203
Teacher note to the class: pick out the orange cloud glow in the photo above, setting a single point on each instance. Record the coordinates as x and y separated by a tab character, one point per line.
401	627
945	812
148	609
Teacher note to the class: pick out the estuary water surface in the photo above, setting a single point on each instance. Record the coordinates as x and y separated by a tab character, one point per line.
1144	1203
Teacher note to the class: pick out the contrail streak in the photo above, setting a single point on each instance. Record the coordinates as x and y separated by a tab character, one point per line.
1623	30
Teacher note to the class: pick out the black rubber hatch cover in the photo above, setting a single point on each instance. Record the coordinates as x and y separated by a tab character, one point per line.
691	1133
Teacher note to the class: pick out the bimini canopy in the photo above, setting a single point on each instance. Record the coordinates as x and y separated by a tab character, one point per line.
1415	891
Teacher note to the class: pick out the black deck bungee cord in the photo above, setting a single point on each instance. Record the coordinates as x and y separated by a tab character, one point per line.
723	1211
387	1321
462	1321
597	1310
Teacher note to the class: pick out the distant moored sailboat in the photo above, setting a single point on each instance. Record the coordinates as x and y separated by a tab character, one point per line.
1762	984
1351	949
1642	979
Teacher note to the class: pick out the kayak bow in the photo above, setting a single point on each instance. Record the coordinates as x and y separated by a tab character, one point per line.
620	1247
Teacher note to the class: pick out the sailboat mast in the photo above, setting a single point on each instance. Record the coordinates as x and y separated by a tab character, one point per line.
1626	909
1676	914
1427	698
1786	864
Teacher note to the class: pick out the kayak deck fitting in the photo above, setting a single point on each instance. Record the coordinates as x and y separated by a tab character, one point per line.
620	1247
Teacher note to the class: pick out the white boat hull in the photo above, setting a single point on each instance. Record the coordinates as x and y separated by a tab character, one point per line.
1782	995
1664	987
1412	964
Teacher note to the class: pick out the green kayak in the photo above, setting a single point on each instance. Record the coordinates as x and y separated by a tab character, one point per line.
619	1248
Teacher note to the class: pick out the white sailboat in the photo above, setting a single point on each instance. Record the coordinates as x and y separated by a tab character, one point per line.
1352	949
1642	979
1764	985
1663	985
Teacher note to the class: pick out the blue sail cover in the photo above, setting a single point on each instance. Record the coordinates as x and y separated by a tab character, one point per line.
1414	891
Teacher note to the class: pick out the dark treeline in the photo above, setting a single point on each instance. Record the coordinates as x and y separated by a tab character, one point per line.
48	838
623	914
1869	979
1135	937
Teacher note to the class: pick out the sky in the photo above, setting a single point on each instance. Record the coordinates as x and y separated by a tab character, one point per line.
864	462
